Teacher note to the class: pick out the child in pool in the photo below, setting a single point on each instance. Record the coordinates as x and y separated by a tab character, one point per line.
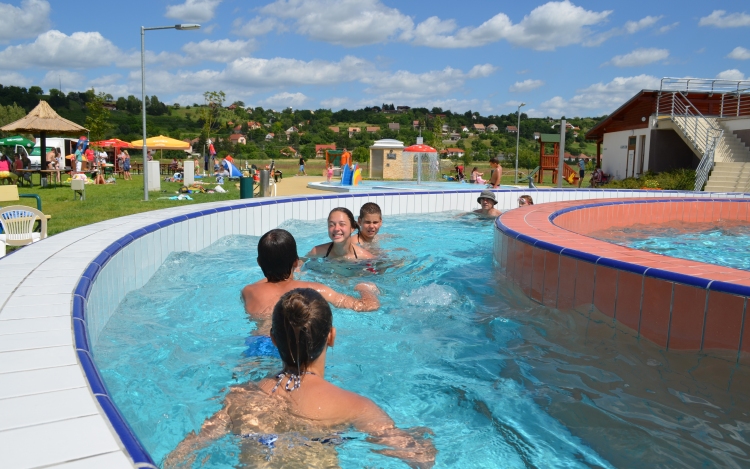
277	258
370	221
341	226
300	399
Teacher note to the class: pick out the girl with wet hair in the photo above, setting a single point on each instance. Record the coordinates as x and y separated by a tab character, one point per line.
341	226
300	399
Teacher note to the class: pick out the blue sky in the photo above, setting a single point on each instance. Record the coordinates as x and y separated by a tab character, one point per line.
581	58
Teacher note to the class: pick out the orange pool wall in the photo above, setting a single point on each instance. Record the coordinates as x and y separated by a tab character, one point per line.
677	304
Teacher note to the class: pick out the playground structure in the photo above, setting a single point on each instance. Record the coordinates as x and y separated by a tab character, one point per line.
351	175
549	161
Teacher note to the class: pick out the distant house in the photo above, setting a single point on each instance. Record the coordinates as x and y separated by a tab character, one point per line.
537	135
415	125
372	129
230	124
479	128
238	138
402	108
455	136
232	107
289	152
320	150
354	130
252	125
292	129
394	126
446	128
237	129
453	152
334	129
492	128
110	106
464	129
269	136
511	129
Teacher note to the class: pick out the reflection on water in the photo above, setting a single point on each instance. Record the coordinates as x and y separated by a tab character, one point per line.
725	243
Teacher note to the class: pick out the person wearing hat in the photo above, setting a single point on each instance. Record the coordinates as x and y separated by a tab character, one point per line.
488	201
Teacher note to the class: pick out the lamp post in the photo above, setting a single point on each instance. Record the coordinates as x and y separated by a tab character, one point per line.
518	135
181	27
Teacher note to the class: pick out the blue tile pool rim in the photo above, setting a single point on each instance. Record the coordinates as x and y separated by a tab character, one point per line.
127	436
661	274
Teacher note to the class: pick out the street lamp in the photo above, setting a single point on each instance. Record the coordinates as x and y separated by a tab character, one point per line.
181	27
518	136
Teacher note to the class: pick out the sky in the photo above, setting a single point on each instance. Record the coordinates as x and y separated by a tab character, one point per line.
573	58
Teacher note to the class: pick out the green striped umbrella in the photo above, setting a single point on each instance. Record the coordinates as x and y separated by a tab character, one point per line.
16	140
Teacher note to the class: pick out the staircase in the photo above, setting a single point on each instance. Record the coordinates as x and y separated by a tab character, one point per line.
731	171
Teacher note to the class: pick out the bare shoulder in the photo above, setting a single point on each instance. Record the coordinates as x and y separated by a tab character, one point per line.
363	253
319	250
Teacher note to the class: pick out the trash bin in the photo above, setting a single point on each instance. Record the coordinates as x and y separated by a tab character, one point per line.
246	188
265	186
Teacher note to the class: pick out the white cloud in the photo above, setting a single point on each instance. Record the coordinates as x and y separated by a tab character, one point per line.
632	27
720	19
639	57
481	71
335	103
285	99
598	98
105	80
667	28
197	11
222	50
347	23
732	74
54	49
739	53
526	85
257	26
14	78
552	25
269	73
403	85
70	80
28	20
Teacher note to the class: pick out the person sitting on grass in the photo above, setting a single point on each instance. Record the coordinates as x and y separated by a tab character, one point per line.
370	221
298	404
278	259
488	201
341	226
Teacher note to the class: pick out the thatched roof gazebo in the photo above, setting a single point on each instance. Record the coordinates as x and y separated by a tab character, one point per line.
40	120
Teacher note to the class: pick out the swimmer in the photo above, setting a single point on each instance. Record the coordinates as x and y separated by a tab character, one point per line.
370	221
277	258
525	200
488	201
299	399
341	225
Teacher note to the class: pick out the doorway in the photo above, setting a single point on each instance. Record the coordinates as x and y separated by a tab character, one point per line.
641	154
630	162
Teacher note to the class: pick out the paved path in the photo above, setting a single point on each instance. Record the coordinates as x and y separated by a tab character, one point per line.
295	185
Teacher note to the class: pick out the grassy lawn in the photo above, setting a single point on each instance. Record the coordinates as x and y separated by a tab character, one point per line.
104	202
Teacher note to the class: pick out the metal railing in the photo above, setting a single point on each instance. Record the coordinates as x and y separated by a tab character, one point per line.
703	133
735	94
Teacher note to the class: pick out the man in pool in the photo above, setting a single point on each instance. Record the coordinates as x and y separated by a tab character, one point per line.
277	258
488	201
370	220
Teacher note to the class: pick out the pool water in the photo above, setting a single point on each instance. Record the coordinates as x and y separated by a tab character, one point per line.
501	381
724	243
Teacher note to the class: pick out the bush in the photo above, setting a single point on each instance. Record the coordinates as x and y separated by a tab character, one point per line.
679	179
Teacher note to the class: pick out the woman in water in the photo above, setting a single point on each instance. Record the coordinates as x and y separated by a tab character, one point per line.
299	400
341	226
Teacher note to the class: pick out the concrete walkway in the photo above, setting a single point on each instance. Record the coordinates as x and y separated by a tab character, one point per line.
295	185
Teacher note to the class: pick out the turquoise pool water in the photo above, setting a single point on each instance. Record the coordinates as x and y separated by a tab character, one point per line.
721	243
502	382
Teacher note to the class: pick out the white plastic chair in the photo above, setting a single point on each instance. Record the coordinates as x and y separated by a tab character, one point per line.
18	226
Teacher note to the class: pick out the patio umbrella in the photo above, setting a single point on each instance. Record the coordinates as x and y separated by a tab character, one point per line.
43	119
419	150
16	140
112	143
162	143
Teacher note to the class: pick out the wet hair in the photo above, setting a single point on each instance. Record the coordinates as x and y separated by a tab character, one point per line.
528	199
349	215
300	325
494	160
277	254
370	208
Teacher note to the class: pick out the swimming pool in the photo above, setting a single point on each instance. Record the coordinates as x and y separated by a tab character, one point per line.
454	348
725	243
372	186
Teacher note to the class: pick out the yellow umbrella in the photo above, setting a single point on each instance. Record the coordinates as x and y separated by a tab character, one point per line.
162	143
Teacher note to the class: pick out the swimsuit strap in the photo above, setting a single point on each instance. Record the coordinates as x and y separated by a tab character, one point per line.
328	251
355	251
294	379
